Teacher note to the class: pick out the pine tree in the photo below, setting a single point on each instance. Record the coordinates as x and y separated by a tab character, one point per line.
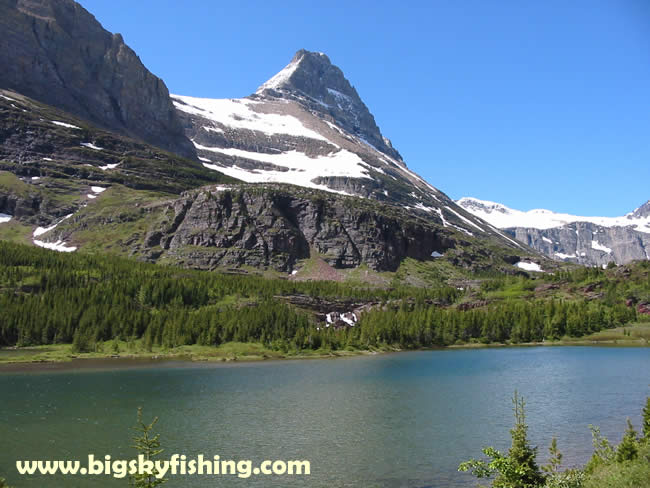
555	461
148	444
527	473
517	469
646	421
628	449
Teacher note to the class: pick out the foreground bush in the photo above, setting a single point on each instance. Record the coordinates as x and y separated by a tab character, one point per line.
624	466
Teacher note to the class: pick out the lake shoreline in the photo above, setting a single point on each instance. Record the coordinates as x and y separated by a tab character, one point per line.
184	357
59	357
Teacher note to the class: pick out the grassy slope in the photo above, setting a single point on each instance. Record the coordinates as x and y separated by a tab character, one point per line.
231	351
34	146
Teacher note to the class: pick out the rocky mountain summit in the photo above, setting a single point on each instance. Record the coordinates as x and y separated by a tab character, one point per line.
313	81
307	126
584	240
643	212
54	51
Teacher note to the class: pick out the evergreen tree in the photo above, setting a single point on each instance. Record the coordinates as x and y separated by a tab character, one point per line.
527	473
517	469
147	444
628	449
646	421
555	461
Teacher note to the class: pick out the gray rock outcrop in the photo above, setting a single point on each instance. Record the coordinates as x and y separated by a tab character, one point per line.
276	227
56	52
587	243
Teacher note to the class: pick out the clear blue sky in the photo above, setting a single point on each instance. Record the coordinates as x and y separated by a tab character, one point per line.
536	104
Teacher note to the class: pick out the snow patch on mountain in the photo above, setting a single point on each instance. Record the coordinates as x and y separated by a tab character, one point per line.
64	124
109	166
213	129
294	177
421	206
55	246
561	255
442	218
528	266
90	145
42	230
4	218
281	77
465	219
599	247
241	114
339	163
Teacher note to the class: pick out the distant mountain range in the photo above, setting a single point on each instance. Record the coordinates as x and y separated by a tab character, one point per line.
583	240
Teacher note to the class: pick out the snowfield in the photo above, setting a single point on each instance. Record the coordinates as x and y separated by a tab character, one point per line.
241	114
259	176
42	230
504	217
599	247
109	166
63	124
55	246
529	266
339	163
90	145
281	77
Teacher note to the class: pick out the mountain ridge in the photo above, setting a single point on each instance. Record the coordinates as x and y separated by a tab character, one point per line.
583	240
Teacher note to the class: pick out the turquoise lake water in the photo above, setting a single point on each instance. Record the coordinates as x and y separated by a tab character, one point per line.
395	420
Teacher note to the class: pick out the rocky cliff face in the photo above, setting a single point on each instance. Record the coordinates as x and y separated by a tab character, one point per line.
278	226
583	240
56	52
587	243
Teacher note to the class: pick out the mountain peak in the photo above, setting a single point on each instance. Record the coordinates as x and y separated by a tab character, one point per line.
475	205
310	73
312	80
643	211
